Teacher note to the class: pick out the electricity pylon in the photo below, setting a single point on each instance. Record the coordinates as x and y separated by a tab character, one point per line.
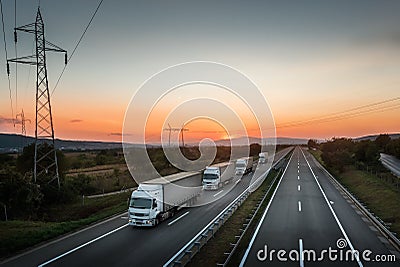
181	130
45	159
23	120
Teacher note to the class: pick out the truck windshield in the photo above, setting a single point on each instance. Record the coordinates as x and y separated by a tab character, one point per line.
240	165
209	176
140	203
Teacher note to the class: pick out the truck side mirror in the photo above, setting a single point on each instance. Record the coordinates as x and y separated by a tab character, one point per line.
154	204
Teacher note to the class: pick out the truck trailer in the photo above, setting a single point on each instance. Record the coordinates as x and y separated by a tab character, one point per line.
158	199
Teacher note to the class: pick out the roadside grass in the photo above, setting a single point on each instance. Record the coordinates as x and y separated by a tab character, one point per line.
381	198
18	235
213	252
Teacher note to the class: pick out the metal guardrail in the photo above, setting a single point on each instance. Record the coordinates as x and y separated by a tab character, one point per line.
186	253
376	220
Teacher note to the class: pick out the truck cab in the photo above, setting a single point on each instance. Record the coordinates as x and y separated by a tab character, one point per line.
262	157
143	208
211	178
241	165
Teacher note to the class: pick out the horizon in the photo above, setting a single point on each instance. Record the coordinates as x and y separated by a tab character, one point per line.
325	69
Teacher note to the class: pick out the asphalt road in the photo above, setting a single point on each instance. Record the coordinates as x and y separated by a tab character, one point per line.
308	213
392	163
113	243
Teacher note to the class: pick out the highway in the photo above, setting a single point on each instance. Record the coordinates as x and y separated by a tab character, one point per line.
307	212
392	163
113	243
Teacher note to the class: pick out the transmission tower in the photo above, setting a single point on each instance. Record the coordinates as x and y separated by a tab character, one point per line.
23	120
23	126
45	159
181	130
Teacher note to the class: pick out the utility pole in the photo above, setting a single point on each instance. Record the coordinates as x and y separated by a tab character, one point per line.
45	159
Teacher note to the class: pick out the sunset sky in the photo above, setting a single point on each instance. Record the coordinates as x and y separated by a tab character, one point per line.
326	68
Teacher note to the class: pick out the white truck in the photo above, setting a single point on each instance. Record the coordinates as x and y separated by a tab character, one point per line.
213	177
158	199
243	165
262	157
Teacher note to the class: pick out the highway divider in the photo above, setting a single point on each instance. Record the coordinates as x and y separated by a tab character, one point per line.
187	252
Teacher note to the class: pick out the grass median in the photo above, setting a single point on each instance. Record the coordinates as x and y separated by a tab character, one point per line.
17	235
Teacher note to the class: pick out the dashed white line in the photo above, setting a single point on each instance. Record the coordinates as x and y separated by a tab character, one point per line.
124	217
301	252
218	193
298	177
299	205
177	219
298	187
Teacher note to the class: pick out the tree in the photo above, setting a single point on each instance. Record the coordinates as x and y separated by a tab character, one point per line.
312	144
382	141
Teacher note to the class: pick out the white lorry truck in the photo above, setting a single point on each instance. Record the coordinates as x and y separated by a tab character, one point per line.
262	157
213	177
158	199
243	165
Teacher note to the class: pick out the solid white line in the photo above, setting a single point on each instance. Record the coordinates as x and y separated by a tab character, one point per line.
298	187
61	239
83	245
246	254
177	219
299	205
334	214
301	252
218	193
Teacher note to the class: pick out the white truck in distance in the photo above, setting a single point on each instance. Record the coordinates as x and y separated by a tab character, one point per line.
213	177
244	165
262	157
158	199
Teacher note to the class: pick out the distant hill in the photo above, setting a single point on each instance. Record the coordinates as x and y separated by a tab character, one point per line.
373	137
14	142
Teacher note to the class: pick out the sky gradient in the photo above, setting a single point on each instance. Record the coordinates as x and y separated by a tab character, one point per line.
309	58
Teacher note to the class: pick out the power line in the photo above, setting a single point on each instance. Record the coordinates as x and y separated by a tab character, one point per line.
16	55
8	70
77	44
340	115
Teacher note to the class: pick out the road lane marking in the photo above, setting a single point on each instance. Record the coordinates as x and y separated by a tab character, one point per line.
177	219
301	252
124	217
83	245
334	215
330	201
298	177
299	205
218	193
298	187
253	238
